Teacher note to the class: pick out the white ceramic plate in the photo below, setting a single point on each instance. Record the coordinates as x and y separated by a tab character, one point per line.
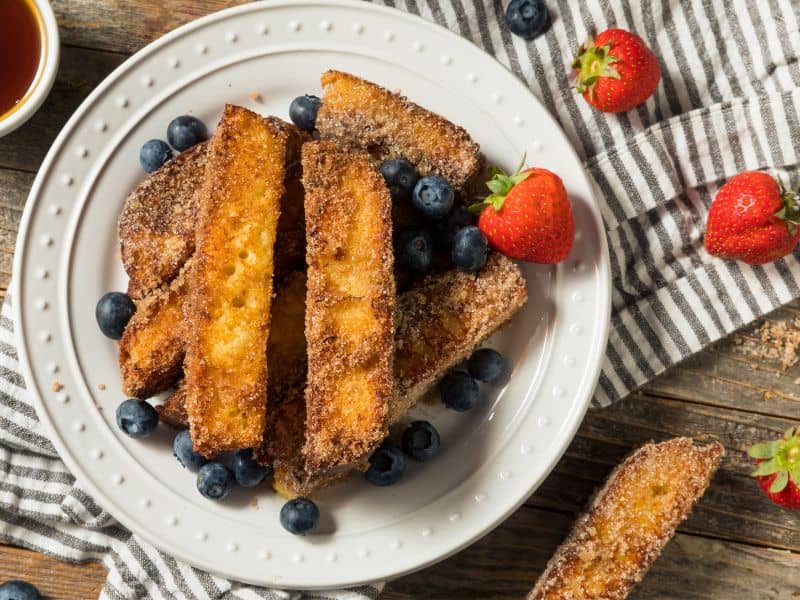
67	257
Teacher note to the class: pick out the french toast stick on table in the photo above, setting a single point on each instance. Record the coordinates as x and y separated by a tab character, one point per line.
230	291
350	305
629	521
438	324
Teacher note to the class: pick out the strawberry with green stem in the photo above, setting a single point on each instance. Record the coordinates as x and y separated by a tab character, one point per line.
527	216
778	470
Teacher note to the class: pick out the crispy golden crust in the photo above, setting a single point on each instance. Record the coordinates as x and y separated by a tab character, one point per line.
230	292
438	324
152	347
156	225
350	304
173	409
358	113
629	522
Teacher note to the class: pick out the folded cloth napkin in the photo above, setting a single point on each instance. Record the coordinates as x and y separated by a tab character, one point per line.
728	102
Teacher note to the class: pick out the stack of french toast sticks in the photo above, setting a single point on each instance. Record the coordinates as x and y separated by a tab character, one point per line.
261	263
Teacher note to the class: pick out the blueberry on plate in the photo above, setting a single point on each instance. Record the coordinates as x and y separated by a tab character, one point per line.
136	418
214	481
303	111
433	197
400	176
184	452
153	154
113	311
421	440
446	228
246	470
386	465
185	131
299	516
16	589
527	18
415	249
470	248
459	391
486	365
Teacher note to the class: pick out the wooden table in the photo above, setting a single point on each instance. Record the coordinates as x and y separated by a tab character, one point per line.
735	545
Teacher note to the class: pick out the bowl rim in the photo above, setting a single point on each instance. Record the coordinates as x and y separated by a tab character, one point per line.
46	72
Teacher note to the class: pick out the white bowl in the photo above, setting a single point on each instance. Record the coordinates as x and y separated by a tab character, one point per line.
45	74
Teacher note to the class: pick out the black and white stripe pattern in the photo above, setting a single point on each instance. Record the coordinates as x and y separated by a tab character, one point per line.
728	102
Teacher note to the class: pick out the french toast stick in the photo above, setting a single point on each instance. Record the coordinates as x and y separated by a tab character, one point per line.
358	113
286	354
629	521
438	324
173	410
230	291
350	305
156	225
152	347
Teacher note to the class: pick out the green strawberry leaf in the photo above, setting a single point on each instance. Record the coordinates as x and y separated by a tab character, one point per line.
794	473
498	185
763	450
779	483
767	468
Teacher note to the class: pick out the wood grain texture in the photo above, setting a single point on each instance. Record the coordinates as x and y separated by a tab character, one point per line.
56	580
505	564
736	544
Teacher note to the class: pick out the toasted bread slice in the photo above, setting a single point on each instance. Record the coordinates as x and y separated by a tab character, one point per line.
152	347
350	304
438	324
173	410
629	522
230	292
156	226
358	113
286	355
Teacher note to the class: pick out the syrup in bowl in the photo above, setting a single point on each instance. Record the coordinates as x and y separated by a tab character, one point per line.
21	49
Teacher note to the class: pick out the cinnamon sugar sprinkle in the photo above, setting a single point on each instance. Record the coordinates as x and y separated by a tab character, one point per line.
776	341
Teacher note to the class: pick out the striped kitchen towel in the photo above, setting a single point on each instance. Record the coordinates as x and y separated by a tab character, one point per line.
728	102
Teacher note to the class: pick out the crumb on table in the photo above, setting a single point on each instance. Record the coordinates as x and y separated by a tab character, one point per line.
101	386
57	386
256	97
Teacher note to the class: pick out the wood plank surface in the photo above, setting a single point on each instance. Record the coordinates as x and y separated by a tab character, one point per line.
736	544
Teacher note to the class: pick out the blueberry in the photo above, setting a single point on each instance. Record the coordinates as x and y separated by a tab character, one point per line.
527	18
486	365
433	197
303	111
185	131
446	228
15	589
459	391
386	465
113	311
400	176
421	440
184	452
299	516
214	481
247	471
470	248
153	154
415	249
136	418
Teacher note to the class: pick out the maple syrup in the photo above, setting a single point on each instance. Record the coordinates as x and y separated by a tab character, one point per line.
21	32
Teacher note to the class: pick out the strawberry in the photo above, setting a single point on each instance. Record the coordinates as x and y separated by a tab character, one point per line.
616	71
778	470
527	216
753	219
